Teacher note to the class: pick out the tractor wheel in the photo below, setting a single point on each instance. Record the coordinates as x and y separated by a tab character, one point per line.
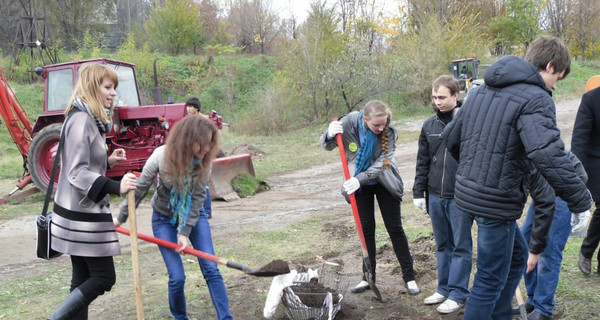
42	153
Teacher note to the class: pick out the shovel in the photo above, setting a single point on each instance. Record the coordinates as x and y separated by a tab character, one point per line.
522	311
365	253
135	260
273	268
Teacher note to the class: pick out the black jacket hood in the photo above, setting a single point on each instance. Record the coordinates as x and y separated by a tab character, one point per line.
511	70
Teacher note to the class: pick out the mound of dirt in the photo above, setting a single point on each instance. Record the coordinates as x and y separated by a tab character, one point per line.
313	294
273	268
248	148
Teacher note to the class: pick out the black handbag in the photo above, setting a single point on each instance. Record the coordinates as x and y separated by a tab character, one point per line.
44	221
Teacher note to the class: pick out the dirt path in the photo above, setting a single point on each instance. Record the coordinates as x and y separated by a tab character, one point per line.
292	197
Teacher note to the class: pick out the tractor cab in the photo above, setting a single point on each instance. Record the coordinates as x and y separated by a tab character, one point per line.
465	70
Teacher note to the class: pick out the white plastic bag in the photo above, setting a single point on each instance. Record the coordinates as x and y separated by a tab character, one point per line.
276	291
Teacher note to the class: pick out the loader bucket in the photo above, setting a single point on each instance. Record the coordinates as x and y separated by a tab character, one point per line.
223	170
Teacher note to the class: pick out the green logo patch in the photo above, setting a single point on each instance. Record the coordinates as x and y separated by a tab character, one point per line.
352	147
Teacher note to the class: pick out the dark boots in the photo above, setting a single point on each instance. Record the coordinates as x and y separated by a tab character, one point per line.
585	264
73	305
82	315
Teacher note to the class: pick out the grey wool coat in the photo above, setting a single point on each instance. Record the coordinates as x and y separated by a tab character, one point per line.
82	223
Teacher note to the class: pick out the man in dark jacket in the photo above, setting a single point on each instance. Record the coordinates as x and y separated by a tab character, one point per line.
434	177
586	146
507	126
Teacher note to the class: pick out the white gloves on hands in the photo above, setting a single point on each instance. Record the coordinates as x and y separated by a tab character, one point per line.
351	185
579	221
335	127
420	203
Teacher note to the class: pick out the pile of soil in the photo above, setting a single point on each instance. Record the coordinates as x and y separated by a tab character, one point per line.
248	148
273	268
313	294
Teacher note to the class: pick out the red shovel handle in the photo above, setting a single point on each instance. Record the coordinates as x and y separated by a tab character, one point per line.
361	236
171	245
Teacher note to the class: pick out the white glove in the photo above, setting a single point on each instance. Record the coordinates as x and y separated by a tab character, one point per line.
420	203
351	185
335	127
581	221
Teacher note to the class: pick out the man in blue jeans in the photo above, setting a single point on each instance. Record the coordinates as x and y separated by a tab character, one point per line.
506	128
542	281
435	171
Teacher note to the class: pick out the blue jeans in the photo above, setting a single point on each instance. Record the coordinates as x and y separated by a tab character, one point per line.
452	232
501	261
207	207
200	239
541	283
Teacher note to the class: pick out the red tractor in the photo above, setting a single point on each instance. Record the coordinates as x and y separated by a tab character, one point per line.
136	128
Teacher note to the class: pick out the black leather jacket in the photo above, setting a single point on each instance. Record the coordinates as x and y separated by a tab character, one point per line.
436	167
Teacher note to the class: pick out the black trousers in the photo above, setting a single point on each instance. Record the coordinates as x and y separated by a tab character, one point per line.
93	275
592	238
390	211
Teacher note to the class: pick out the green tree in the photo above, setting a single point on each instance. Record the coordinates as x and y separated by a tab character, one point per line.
175	27
517	24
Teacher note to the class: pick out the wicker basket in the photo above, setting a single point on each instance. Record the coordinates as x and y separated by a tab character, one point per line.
297	310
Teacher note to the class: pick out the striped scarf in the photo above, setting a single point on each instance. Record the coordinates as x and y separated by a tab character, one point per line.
103	127
180	203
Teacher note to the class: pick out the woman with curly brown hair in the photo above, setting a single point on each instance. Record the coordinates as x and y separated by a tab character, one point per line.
368	138
183	168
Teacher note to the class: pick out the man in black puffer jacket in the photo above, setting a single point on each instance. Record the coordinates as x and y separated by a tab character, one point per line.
505	128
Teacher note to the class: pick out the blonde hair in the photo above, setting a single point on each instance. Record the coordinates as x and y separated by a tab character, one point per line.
179	152
91	76
374	109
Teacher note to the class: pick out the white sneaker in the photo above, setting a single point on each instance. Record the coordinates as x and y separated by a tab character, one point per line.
449	306
435	298
412	287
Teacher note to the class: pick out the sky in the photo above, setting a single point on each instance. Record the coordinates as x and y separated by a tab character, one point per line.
300	7
286	8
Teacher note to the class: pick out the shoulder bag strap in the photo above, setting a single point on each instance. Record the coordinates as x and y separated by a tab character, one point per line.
54	169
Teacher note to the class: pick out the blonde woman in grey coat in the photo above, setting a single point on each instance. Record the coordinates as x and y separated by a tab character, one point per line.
82	224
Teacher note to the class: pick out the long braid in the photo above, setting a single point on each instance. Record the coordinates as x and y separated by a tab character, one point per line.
387	163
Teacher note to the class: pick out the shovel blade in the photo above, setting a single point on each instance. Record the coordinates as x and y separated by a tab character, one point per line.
369	277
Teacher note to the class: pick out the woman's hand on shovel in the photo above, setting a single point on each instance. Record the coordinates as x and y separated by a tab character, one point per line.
183	242
128	183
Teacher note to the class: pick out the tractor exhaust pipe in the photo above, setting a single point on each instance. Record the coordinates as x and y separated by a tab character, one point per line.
156	93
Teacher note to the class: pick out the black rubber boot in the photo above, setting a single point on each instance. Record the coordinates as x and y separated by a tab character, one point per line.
73	304
82	315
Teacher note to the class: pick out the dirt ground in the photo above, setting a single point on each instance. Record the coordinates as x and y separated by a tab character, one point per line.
291	198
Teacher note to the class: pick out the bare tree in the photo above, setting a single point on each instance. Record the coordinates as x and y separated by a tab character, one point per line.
71	19
555	16
10	14
585	28
254	24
